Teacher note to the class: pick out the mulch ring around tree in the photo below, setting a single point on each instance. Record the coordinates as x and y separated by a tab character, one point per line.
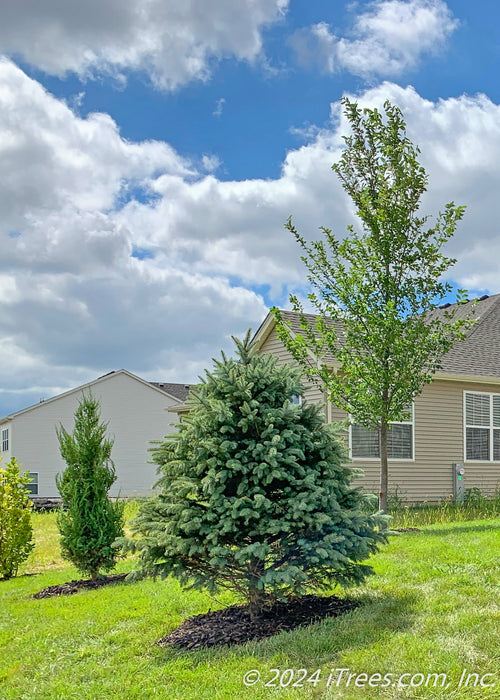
74	586
233	625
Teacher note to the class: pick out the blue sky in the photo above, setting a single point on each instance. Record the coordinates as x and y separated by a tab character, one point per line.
150	154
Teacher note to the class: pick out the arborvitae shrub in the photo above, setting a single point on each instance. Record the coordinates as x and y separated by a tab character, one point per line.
15	518
253	494
89	522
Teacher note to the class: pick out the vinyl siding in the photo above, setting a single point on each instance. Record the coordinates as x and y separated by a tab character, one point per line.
136	414
273	345
439	441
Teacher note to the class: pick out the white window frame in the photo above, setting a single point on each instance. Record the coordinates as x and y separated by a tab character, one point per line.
33	483
299	400
389	459
489	427
5	439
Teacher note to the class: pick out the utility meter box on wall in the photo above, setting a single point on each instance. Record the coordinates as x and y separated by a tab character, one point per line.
459	482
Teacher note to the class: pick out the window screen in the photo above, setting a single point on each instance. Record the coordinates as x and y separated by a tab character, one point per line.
399	441
477	409
365	442
478	444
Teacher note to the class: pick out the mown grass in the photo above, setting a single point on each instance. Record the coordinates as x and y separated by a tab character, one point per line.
433	607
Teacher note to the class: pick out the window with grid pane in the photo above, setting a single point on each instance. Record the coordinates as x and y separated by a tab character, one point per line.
32	487
365	442
5	439
482	426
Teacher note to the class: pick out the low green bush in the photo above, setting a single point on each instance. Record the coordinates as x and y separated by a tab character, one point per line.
15	518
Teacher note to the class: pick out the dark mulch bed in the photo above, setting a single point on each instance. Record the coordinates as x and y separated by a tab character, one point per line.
74	586
43	505
408	529
233	625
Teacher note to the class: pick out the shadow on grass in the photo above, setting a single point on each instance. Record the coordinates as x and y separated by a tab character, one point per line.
12	578
461	530
377	617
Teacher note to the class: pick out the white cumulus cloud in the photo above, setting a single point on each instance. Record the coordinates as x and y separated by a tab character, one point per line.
388	38
174	41
93	278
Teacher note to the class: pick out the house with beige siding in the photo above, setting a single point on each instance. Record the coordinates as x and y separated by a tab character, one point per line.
136	411
455	420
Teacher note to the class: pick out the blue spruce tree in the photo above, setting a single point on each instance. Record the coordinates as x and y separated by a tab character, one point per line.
254	495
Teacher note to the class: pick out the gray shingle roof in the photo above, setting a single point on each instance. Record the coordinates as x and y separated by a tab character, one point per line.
294	321
178	391
477	355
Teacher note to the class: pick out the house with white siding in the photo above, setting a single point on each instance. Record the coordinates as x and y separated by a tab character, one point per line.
136	411
455	420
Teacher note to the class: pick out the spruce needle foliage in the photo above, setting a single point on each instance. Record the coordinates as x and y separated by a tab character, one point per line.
15	518
253	494
88	522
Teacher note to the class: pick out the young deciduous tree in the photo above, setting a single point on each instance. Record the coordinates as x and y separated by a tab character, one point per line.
253	494
89	522
373	290
15	518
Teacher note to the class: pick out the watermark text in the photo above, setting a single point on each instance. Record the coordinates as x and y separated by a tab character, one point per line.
347	677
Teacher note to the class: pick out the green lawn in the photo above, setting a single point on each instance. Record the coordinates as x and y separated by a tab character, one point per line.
433	607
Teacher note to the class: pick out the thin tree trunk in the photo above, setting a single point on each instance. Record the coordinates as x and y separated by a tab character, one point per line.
382	497
256	596
257	601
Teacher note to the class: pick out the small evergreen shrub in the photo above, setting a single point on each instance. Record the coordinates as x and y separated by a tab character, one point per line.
15	518
253	494
88	521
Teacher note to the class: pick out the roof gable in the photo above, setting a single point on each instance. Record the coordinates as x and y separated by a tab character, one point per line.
477	356
89	385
